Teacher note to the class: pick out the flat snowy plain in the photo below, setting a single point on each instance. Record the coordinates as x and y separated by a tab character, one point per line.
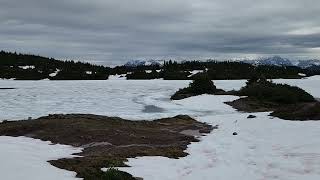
266	148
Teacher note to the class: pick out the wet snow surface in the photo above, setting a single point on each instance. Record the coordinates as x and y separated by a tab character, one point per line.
265	148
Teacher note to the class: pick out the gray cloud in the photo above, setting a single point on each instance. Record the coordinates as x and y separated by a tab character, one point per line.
112	32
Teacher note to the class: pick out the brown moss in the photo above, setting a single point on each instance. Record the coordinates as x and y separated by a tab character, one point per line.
108	141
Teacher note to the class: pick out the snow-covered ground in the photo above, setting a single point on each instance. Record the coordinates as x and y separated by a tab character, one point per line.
26	159
266	148
126	99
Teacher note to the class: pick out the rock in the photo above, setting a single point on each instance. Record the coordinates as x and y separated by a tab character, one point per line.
251	116
235	133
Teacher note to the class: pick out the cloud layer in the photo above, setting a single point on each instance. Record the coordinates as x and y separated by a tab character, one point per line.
113	31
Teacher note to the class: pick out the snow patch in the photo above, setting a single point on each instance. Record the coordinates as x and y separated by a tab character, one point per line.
26	158
54	73
11	79
194	72
118	77
89	72
27	67
301	74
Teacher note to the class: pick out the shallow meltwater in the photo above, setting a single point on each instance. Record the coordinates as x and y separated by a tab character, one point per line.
153	109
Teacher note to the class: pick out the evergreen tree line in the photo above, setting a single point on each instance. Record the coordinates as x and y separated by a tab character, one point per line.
11	66
217	70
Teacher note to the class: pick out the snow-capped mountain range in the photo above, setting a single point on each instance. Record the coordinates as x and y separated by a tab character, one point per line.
279	61
275	60
135	63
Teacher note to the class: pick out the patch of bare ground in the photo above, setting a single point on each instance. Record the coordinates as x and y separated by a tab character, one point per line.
109	141
252	105
299	111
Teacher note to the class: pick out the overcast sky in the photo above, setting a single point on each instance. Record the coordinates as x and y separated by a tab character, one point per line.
114	31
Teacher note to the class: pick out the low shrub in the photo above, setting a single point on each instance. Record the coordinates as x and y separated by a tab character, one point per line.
301	112
143	75
280	93
175	75
200	85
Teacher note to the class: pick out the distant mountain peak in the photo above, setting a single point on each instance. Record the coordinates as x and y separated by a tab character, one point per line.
275	60
280	61
135	63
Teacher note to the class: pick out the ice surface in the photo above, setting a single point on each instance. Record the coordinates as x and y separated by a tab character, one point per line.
26	159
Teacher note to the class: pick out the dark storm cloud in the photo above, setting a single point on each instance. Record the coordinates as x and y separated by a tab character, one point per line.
113	31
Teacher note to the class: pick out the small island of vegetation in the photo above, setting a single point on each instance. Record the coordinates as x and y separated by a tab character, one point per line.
260	95
201	85
286	102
